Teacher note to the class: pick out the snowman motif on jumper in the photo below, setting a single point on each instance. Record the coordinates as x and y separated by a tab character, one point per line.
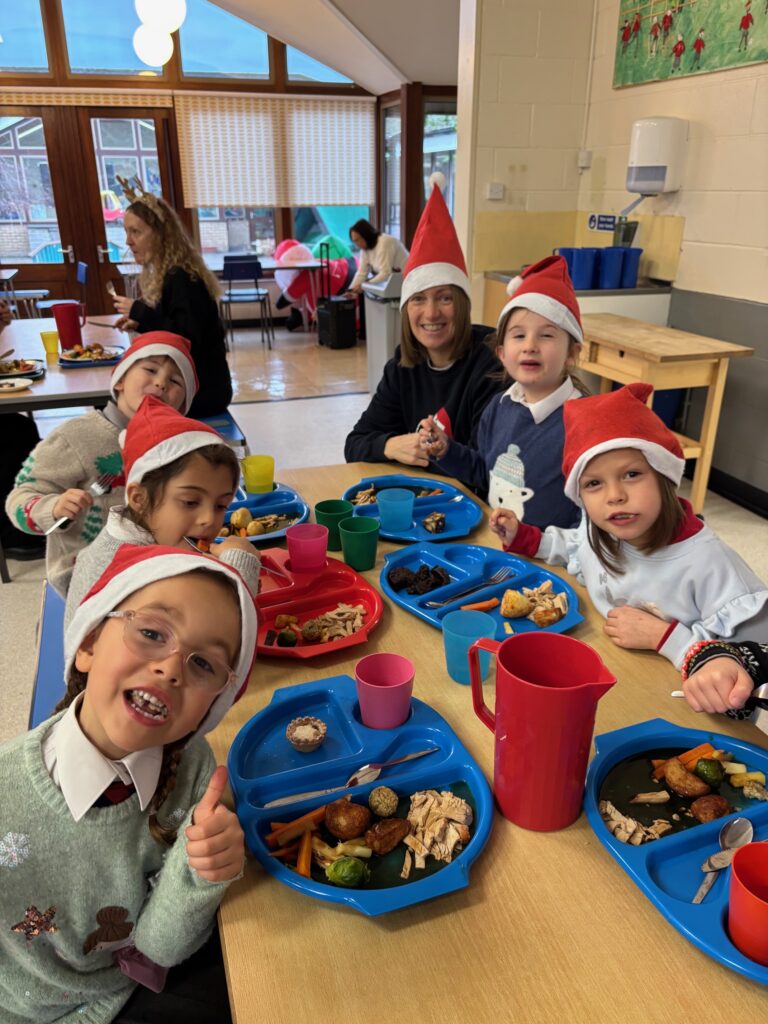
506	489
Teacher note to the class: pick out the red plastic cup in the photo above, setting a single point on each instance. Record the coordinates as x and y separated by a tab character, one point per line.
748	904
307	546
384	688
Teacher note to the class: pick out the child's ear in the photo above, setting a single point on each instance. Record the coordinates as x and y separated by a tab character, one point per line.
84	656
136	496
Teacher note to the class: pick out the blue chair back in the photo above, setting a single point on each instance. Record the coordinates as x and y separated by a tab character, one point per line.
49	673
241	268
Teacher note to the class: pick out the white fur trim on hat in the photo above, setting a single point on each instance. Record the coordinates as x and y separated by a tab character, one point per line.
660	458
547	307
94	609
169	450
433	275
158	349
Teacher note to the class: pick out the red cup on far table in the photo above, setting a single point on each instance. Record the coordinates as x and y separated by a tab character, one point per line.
748	902
384	688
307	546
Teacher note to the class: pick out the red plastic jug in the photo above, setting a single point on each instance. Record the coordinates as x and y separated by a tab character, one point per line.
68	323
547	689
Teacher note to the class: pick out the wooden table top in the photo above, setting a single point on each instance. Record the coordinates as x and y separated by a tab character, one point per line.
655	343
550	928
59	388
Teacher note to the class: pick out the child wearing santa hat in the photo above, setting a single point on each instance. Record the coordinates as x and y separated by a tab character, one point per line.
441	368
180	477
51	495
662	579
104	894
520	437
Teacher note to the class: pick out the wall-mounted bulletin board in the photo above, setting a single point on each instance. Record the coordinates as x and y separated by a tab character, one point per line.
660	39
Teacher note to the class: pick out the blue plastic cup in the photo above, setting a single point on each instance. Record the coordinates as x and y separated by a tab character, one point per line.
583	269
395	509
460	630
611	262
630	267
567	253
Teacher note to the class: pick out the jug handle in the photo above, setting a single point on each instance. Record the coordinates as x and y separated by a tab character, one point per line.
482	710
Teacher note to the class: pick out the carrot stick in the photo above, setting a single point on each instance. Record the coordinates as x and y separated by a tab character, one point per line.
287	851
480	606
689	759
304	860
293	829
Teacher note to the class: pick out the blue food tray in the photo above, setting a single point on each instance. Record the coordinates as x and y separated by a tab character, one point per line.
73	364
467	564
280	500
668	870
462	514
263	766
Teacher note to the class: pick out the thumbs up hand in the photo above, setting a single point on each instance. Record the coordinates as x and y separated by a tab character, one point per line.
215	842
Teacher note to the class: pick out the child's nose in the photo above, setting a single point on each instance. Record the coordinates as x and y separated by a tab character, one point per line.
170	668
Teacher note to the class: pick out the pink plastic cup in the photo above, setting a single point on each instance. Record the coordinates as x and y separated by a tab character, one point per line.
307	546
748	902
384	688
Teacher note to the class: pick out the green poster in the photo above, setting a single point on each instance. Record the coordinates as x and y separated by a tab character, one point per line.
659	40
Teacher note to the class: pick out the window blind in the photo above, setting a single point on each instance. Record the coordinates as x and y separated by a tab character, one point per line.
83	98
276	150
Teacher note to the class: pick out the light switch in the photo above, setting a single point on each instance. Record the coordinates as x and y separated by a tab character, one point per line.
494	190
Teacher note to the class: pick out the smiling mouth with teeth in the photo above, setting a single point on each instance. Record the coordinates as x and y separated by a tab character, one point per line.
147	704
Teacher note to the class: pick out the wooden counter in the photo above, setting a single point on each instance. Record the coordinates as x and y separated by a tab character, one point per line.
550	928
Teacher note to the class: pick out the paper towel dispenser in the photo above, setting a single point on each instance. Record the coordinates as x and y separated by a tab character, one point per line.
656	155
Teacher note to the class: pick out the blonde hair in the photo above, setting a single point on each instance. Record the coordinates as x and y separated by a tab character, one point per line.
174	249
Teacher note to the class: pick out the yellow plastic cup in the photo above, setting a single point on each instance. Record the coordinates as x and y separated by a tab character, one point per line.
259	473
50	341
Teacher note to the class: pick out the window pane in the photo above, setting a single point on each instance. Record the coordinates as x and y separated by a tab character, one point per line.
313	223
99	42
23	45
217	44
440	147
391	212
237	229
29	231
116	134
303	68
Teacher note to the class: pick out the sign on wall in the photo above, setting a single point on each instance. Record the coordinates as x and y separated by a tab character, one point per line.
660	39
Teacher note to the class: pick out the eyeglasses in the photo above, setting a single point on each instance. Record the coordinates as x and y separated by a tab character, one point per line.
152	638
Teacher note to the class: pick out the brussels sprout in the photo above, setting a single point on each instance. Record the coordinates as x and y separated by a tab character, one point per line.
348	871
710	770
286	638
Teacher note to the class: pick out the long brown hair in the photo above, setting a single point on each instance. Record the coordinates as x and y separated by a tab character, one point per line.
493	341
154	482
174	248
413	352
661	534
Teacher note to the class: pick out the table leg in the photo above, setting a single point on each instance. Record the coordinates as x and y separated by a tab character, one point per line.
605	385
708	434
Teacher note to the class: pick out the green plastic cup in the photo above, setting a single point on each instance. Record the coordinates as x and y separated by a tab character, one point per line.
359	540
330	513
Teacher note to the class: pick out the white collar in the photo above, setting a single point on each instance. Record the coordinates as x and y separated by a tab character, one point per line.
82	772
121	528
540	410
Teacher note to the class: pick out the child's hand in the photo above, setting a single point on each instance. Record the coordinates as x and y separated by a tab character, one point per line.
233	542
433	438
632	627
406	448
505	524
71	503
719	685
215	844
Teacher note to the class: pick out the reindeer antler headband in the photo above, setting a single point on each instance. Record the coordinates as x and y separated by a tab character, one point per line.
134	191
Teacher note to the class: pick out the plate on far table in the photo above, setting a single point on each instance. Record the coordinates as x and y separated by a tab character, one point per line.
111	354
32	369
7	387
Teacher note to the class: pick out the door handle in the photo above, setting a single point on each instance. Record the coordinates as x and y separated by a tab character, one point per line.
69	252
103	253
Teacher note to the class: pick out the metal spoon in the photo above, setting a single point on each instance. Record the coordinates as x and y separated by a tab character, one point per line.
734	833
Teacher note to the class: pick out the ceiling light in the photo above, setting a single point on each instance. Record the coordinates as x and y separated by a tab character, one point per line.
166	15
152	47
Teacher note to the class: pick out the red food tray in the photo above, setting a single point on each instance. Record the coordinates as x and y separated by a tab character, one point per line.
308	595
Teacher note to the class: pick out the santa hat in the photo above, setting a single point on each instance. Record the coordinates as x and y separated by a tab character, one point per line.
157	435
436	258
546	288
620	419
136	566
160	343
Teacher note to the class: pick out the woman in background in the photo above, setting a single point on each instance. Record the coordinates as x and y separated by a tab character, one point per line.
380	254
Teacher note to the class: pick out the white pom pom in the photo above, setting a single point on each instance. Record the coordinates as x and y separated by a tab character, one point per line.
437	178
513	284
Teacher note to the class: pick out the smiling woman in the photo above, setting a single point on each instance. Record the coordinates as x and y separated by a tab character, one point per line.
442	369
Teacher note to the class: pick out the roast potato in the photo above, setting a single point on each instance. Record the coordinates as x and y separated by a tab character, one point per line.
346	820
683	782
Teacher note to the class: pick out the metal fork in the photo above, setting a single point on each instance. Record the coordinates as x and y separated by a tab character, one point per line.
498	577
101	485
